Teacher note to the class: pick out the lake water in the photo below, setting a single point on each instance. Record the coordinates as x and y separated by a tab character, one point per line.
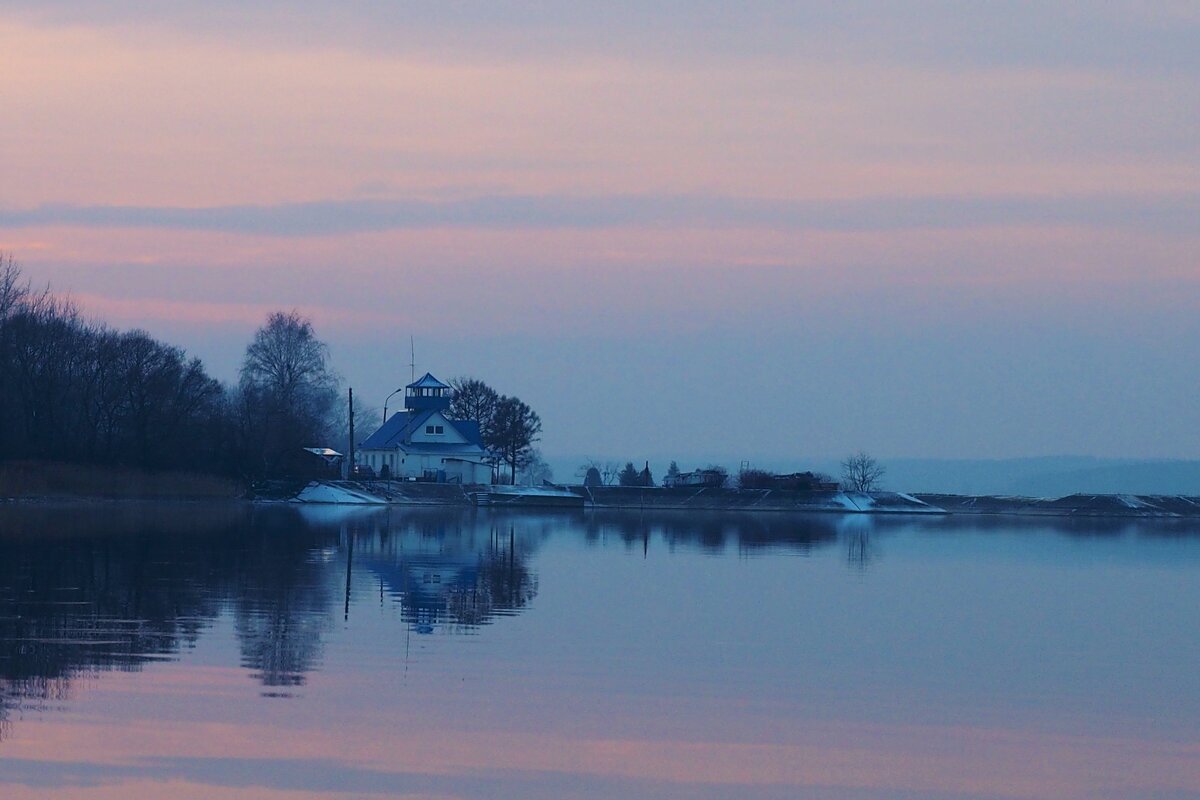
238	652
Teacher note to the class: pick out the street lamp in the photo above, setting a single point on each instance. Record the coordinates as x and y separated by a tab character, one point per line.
385	402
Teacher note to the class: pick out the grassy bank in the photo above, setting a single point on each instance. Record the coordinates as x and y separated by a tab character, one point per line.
26	480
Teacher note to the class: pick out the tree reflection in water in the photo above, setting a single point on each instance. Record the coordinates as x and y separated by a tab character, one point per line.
281	613
85	591
861	551
714	532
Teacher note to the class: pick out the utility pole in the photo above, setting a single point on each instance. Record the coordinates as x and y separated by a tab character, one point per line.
350	467
412	360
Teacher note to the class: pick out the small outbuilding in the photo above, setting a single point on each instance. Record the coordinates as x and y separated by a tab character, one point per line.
701	478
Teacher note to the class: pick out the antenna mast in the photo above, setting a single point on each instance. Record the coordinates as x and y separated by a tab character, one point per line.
350	465
412	360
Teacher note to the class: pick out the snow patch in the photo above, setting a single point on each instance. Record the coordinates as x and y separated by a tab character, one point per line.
530	491
318	492
1129	501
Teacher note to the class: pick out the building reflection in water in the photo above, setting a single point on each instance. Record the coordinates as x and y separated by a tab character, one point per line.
451	571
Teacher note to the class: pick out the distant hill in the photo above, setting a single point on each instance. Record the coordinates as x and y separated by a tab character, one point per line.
1053	476
1146	477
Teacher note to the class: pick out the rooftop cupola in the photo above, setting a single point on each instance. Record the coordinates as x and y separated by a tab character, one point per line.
427	394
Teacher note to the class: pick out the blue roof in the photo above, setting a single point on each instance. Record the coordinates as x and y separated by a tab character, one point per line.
395	430
469	429
438	448
399	428
427	381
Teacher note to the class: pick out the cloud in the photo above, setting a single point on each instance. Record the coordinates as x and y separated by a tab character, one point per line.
1116	35
1167	214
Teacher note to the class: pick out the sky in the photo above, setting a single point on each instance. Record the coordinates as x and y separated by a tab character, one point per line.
754	231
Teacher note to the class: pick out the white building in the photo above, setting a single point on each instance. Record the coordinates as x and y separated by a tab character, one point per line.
422	443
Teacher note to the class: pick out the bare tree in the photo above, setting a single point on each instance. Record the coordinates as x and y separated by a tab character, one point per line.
536	470
45	355
861	473
77	391
13	290
589	465
514	429
287	359
473	400
288	394
605	473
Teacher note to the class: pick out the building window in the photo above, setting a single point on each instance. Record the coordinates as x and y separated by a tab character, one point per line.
435	430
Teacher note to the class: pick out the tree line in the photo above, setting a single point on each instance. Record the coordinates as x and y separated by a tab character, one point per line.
75	390
78	391
861	472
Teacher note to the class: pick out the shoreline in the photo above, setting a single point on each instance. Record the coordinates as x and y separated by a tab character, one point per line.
749	500
1017	508
42	484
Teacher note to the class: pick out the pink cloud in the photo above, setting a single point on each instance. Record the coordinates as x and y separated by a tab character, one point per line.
123	312
588	280
959	760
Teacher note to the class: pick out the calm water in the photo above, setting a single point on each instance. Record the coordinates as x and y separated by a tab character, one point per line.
194	652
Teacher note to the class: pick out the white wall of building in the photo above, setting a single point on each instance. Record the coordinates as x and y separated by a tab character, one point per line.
402	465
449	434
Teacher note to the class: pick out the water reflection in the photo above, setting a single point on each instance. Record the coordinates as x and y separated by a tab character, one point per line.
1073	526
281	612
714	532
671	654
84	591
450	570
87	589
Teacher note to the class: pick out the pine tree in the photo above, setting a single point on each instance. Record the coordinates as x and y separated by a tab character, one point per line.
629	475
